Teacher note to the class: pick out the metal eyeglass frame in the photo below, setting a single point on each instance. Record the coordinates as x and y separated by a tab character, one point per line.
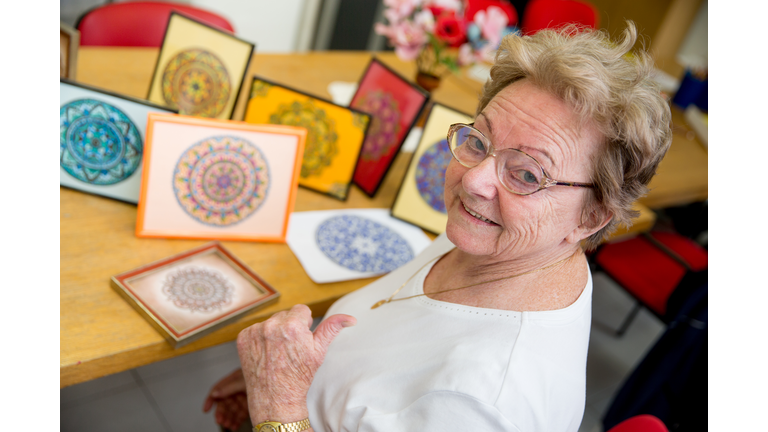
546	181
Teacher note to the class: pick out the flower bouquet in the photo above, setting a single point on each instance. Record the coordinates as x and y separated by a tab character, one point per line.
442	35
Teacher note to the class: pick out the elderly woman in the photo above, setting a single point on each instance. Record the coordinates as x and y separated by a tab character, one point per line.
488	328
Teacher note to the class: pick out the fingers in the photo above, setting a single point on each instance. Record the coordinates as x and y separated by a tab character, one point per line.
234	383
208	404
301	312
327	330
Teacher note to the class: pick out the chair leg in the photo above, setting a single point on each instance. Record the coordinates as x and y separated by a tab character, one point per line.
628	320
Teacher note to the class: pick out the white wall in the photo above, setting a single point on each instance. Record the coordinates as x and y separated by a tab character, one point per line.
694	49
273	25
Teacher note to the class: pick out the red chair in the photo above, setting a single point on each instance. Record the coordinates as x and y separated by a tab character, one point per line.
475	6
137	23
651	267
541	14
640	423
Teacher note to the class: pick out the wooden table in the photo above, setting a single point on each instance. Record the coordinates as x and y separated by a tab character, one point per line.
100	334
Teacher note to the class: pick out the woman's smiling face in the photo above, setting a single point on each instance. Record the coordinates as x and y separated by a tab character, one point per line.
486	219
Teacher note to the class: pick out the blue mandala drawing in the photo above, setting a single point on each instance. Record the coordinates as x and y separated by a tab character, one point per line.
362	245
99	144
430	174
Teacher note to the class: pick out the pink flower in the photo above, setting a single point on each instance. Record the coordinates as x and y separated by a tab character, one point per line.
408	39
466	55
492	23
399	9
454	5
425	20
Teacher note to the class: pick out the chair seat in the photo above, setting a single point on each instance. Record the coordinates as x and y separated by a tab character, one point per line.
640	423
138	23
646	271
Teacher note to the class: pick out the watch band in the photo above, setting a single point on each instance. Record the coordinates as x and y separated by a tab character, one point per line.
273	426
295	426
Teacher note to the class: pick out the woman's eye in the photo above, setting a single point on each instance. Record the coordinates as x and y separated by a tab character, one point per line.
523	176
528	177
477	144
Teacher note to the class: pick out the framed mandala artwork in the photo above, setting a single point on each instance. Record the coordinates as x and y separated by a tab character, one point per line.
395	104
338	245
200	69
101	140
218	179
420	198
335	133
191	294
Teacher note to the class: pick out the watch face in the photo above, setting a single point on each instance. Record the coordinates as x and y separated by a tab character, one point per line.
267	428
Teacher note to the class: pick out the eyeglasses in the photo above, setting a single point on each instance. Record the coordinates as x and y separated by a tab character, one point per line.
518	171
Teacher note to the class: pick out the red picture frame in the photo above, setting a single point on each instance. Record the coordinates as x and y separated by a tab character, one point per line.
395	105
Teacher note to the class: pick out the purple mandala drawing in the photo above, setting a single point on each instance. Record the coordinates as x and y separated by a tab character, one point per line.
385	124
430	174
198	289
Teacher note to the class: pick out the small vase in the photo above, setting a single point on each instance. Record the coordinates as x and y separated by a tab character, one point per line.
428	81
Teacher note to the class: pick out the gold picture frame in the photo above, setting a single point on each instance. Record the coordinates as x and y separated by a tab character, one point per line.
200	69
420	198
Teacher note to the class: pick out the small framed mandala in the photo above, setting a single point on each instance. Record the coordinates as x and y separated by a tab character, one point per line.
191	294
420	199
335	133
101	140
218	179
200	69
395	105
338	245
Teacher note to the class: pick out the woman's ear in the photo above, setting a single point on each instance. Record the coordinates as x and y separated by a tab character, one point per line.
592	221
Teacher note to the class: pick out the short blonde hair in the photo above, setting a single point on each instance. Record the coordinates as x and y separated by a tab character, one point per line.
602	84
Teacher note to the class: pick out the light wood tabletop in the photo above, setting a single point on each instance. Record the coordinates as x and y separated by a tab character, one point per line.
100	333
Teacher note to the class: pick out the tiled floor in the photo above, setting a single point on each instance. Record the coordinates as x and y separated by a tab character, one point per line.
168	396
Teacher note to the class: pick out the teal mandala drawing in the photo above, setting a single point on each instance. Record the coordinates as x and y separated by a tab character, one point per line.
99	144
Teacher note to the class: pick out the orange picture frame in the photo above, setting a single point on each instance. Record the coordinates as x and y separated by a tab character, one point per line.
218	179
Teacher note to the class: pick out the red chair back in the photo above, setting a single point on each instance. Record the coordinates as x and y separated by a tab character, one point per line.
541	14
640	423
474	6
140	24
646	271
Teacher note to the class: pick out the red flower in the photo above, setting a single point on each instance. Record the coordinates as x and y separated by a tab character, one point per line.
450	29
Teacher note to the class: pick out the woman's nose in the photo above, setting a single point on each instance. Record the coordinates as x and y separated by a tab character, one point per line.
482	180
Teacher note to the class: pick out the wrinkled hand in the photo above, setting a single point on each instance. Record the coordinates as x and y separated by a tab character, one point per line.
230	398
280	357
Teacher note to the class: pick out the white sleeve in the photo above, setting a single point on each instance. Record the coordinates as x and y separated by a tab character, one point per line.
438	411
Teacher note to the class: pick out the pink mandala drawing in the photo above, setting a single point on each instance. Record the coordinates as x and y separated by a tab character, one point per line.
198	289
221	180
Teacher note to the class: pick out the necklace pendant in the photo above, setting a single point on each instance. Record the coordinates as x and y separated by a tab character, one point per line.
378	303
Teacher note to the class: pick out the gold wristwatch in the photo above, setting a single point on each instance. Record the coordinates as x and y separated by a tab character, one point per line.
273	426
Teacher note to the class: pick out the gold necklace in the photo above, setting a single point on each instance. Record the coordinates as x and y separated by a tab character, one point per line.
391	299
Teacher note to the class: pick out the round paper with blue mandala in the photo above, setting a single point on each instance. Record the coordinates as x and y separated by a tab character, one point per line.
98	144
196	82
221	180
198	289
430	174
362	245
